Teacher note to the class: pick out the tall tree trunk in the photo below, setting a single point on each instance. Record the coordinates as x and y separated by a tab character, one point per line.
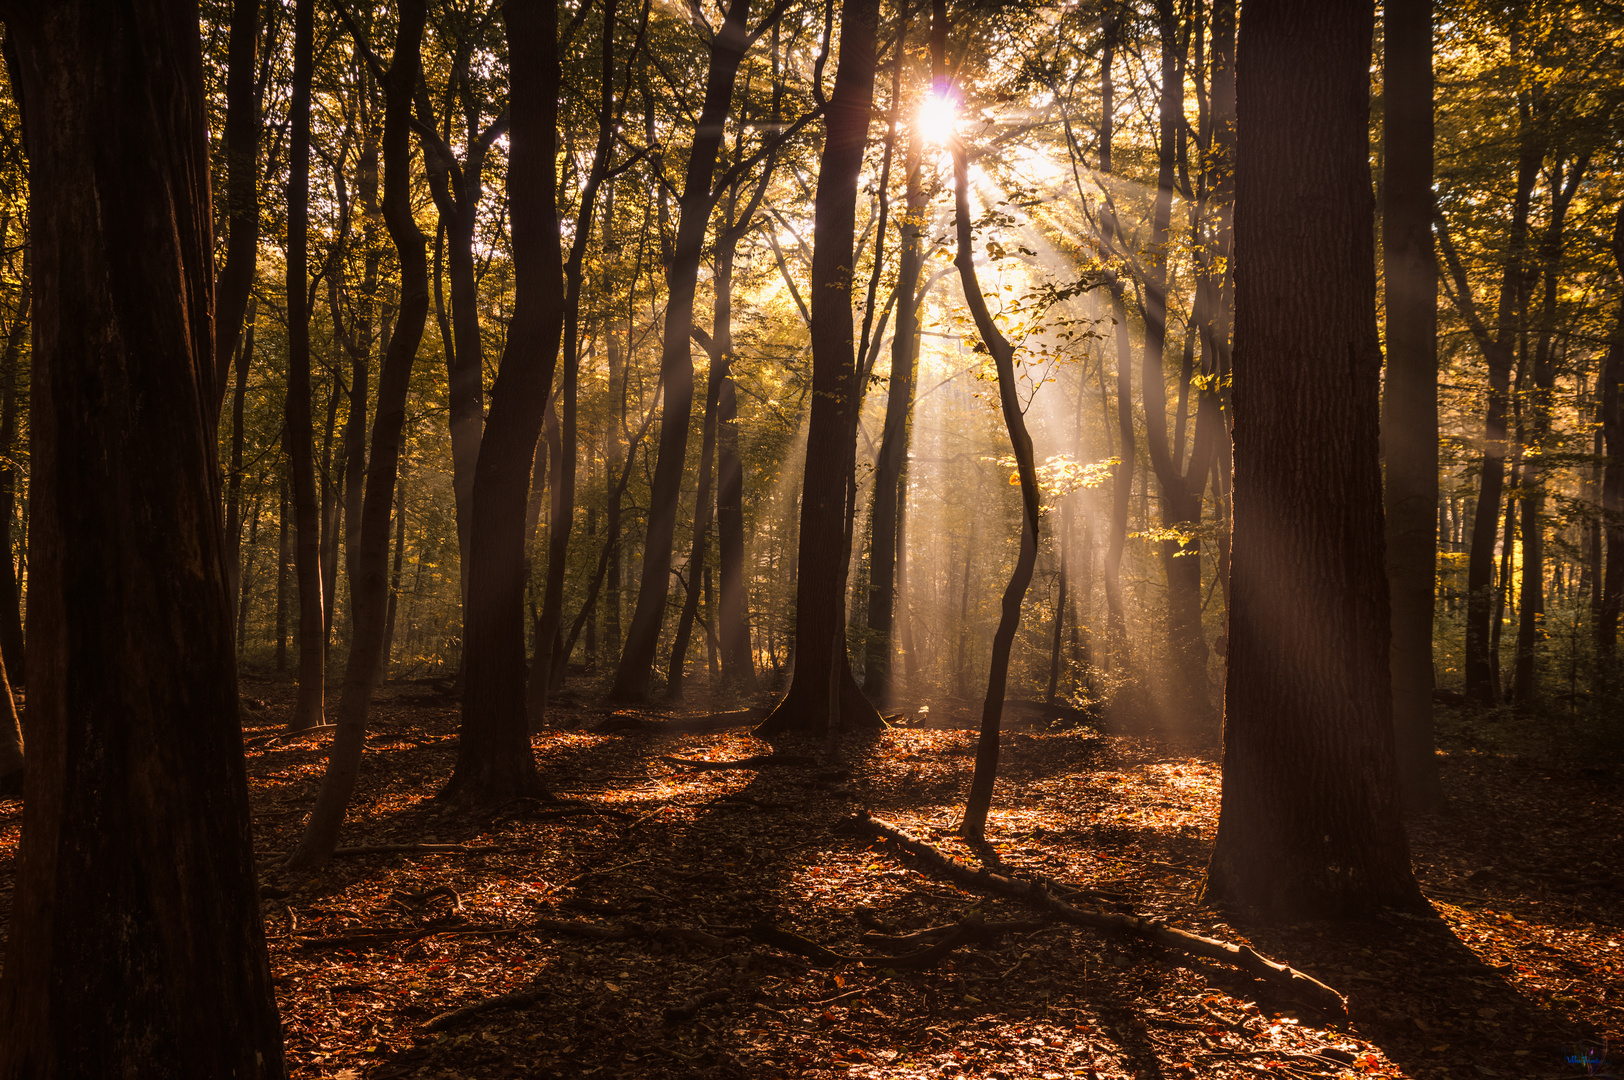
241	146
394	573
631	681
1122	477
358	344
494	760
11	742
1009	619
1410	400
889	493
1309	823
136	946
1531	606
369	587
822	686
1612	482
245	577
239	397
11	601
296	435
282	540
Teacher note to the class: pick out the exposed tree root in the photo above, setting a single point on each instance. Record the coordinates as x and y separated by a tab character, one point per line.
1302	987
478	1008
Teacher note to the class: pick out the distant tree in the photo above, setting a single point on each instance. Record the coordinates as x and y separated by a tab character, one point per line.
136	946
1309	823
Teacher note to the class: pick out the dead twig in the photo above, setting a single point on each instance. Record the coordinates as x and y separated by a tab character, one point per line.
478	1008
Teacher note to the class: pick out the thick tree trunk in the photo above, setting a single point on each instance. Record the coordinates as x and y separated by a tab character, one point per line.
296	433
1309	824
136	946
1410	400
494	760
369	585
631	681
822	686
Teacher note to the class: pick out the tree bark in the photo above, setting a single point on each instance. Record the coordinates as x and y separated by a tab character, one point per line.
136	946
494	760
1612	482
296	435
1410	399
631	683
1309	823
822	686
369	585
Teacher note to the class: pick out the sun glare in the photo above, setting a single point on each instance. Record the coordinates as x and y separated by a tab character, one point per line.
938	116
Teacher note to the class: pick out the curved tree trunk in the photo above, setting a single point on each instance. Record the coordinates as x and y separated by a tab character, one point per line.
1309	823
494	760
369	585
136	946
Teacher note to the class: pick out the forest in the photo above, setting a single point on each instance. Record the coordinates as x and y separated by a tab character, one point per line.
811	538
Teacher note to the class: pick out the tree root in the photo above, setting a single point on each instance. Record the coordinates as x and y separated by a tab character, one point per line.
1295	983
468	1012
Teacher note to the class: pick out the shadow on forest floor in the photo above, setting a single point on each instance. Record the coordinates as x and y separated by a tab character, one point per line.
667	921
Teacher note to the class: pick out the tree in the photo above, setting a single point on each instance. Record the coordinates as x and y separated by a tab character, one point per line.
1410	400
135	908
1309	823
494	761
822	689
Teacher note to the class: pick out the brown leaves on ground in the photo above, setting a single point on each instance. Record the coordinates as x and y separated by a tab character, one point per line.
650	923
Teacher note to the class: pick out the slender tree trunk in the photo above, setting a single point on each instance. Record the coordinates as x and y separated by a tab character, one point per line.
822	685
1410	400
241	146
1612	482
136	946
245	578
394	573
359	345
494	760
296	436
282	582
728	46
11	601
369	593
1009	619
1122	478
332	499
239	396
11	742
885	517
1309	823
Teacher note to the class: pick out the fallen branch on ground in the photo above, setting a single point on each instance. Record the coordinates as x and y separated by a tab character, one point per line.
760	761
468	1012
268	741
1287	979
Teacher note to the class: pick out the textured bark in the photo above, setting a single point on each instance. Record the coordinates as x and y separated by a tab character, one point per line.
1410	398
494	760
631	681
822	686
369	583
1309	824
136	946
296	433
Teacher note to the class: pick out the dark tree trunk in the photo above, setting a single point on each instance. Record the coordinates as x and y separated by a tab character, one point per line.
1122	477
296	435
11	742
889	492
1410	400
494	760
822	687
245	578
358	344
136	946
676	360
241	145
282	581
239	398
1309	824
369	584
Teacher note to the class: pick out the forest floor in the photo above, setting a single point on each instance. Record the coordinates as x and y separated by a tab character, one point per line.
631	920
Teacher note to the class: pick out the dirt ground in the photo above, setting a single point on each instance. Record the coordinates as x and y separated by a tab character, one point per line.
665	921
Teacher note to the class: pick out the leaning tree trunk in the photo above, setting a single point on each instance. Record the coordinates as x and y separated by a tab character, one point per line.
676	360
822	686
296	433
1410	400
1309	823
136	946
369	584
494	760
